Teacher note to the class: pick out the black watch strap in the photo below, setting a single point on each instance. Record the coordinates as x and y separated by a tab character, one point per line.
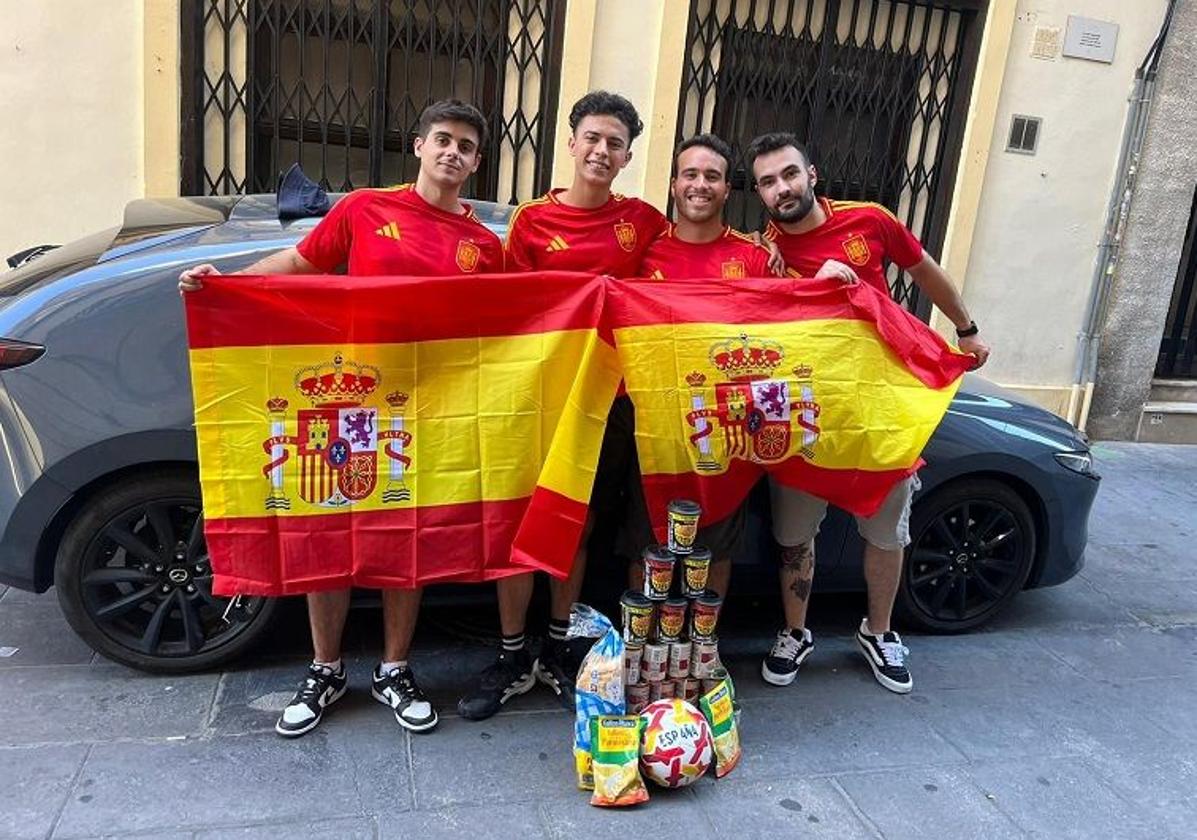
971	329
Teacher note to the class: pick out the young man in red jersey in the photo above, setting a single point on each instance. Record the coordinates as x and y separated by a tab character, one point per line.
809	230
584	227
701	245
413	229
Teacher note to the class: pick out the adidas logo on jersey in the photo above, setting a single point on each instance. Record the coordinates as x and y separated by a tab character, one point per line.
390	230
557	243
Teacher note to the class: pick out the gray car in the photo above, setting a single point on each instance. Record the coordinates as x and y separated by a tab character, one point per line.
99	495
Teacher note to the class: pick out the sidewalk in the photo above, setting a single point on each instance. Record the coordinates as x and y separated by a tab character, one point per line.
1072	715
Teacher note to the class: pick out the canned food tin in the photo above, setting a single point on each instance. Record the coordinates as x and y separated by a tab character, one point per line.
690	690
683	525
631	664
637	695
679	660
704	658
668	689
671	620
637	613
658	572
655	663
704	614
696	568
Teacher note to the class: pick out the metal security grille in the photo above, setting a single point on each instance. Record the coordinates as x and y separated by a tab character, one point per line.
338	86
1178	347
878	91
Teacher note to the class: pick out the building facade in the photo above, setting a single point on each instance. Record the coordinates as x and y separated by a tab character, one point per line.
994	128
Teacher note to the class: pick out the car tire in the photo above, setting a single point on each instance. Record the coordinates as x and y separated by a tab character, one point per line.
972	549
133	579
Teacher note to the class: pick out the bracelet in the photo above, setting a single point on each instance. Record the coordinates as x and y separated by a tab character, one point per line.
971	329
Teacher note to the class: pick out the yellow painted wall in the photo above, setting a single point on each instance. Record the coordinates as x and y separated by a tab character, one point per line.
71	137
635	48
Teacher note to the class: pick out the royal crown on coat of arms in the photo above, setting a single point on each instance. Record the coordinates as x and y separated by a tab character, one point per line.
338	438
757	410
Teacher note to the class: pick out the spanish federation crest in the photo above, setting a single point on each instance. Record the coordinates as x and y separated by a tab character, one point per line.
625	235
856	248
338	439
467	255
733	270
763	417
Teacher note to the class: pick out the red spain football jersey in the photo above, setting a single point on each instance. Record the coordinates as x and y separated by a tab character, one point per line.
395	231
732	255
546	235
862	234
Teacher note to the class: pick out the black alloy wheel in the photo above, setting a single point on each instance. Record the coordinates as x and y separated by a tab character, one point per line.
134	580
972	550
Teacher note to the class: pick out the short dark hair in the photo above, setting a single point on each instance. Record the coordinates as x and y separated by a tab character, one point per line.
603	103
453	110
707	141
762	144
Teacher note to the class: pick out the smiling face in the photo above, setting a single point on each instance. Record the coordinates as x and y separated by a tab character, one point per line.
600	146
449	153
785	182
700	187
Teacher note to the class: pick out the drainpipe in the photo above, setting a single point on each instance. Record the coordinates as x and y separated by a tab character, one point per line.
1108	250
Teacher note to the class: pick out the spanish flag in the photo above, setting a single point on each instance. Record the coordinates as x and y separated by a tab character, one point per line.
394	432
829	388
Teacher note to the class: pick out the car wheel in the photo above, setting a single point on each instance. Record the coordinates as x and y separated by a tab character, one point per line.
972	549
134	580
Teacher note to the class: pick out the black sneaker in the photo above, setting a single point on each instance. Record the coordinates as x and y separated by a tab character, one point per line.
320	689
398	690
886	655
558	664
510	675
789	652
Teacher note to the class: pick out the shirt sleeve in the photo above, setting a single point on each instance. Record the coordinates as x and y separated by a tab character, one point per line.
517	250
655	222
901	246
327	244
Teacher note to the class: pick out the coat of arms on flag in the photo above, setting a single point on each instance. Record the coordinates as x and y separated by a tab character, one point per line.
337	439
756	410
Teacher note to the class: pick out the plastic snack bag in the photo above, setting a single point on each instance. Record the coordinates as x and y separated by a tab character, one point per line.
615	748
717	706
599	686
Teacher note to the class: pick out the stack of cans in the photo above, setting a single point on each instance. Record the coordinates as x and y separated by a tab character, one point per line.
669	628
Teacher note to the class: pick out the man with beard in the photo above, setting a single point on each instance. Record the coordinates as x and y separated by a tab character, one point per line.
701	245
809	230
585	227
412	229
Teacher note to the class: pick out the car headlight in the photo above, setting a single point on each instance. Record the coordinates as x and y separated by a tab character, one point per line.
1078	462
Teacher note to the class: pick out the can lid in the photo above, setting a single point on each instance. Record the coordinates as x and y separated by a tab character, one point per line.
685	507
710	598
635	599
699	552
659	553
676	601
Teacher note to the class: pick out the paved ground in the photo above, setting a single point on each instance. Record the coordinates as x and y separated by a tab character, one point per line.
1071	716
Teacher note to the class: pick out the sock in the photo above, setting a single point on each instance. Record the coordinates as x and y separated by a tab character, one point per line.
334	666
558	629
386	667
514	642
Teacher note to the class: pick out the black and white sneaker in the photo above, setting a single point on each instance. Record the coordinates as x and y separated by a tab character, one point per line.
398	690
886	655
557	667
789	652
509	676
321	688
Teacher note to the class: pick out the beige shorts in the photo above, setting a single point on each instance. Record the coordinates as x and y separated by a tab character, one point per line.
797	516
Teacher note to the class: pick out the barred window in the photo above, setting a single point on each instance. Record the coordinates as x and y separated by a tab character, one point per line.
338	86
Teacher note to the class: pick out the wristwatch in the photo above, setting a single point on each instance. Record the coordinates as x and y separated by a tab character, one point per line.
971	329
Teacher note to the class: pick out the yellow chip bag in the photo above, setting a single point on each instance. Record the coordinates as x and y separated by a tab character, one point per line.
717	706
615	750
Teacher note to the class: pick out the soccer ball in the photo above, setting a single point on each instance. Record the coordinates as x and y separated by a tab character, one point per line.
676	747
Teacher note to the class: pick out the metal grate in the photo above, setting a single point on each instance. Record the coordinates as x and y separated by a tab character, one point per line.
877	89
1178	347
338	86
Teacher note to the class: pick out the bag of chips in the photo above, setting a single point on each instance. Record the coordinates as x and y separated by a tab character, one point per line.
599	686
615	748
717	706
